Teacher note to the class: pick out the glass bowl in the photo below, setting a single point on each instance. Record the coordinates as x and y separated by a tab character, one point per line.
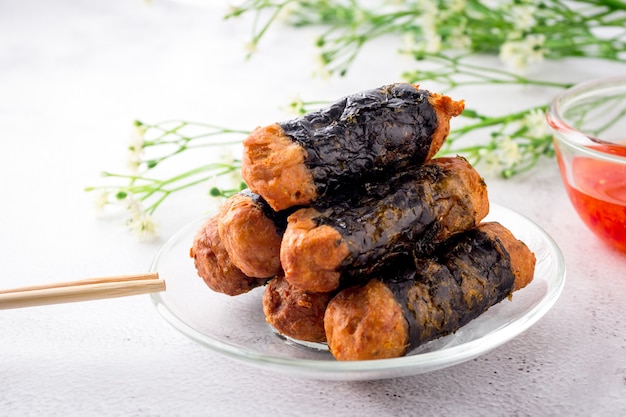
236	328
589	126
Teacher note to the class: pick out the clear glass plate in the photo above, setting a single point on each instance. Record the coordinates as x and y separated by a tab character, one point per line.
236	327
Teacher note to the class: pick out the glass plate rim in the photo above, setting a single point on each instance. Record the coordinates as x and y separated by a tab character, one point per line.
371	369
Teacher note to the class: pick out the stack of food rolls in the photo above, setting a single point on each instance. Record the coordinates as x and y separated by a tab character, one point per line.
363	238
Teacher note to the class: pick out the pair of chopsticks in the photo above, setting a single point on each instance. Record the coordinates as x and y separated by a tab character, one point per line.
83	290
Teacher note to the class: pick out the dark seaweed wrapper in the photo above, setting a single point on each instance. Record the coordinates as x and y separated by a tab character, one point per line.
384	220
441	295
365	135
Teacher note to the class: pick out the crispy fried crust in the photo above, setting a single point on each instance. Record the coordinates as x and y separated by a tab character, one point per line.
273	166
295	313
364	323
522	259
455	218
249	236
213	263
445	108
310	255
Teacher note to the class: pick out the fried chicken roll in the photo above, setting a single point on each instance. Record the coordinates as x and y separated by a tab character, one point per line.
251	233
427	299
295	313
410	214
213	263
361	136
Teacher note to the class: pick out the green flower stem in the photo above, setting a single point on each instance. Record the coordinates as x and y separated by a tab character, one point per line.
351	25
145	189
492	121
258	6
166	134
611	4
456	71
151	186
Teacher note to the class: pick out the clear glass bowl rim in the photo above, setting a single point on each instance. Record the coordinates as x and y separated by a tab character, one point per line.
571	136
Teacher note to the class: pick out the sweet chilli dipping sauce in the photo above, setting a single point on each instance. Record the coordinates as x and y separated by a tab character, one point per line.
597	189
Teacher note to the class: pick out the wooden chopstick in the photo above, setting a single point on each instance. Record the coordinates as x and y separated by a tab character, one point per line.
83	290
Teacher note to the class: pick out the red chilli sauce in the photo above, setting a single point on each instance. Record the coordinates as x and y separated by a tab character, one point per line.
599	194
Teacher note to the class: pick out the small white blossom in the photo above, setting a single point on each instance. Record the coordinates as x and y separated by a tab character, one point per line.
429	8
250	47
432	39
102	200
135	147
519	53
140	222
508	151
144	227
296	106
510	54
287	11
490	162
523	17
457	6
321	68
359	16
501	156
459	39
536	48
535	122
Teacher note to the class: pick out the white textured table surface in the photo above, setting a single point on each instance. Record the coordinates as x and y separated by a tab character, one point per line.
73	76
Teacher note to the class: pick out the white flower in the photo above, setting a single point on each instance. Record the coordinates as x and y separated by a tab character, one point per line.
140	222
296	106
432	39
457	6
321	69
249	47
144	227
519	53
359	17
523	17
429	8
535	45
102	200
459	39
508	150
135	146
287	11
535	122
503	154
490	161
511	54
